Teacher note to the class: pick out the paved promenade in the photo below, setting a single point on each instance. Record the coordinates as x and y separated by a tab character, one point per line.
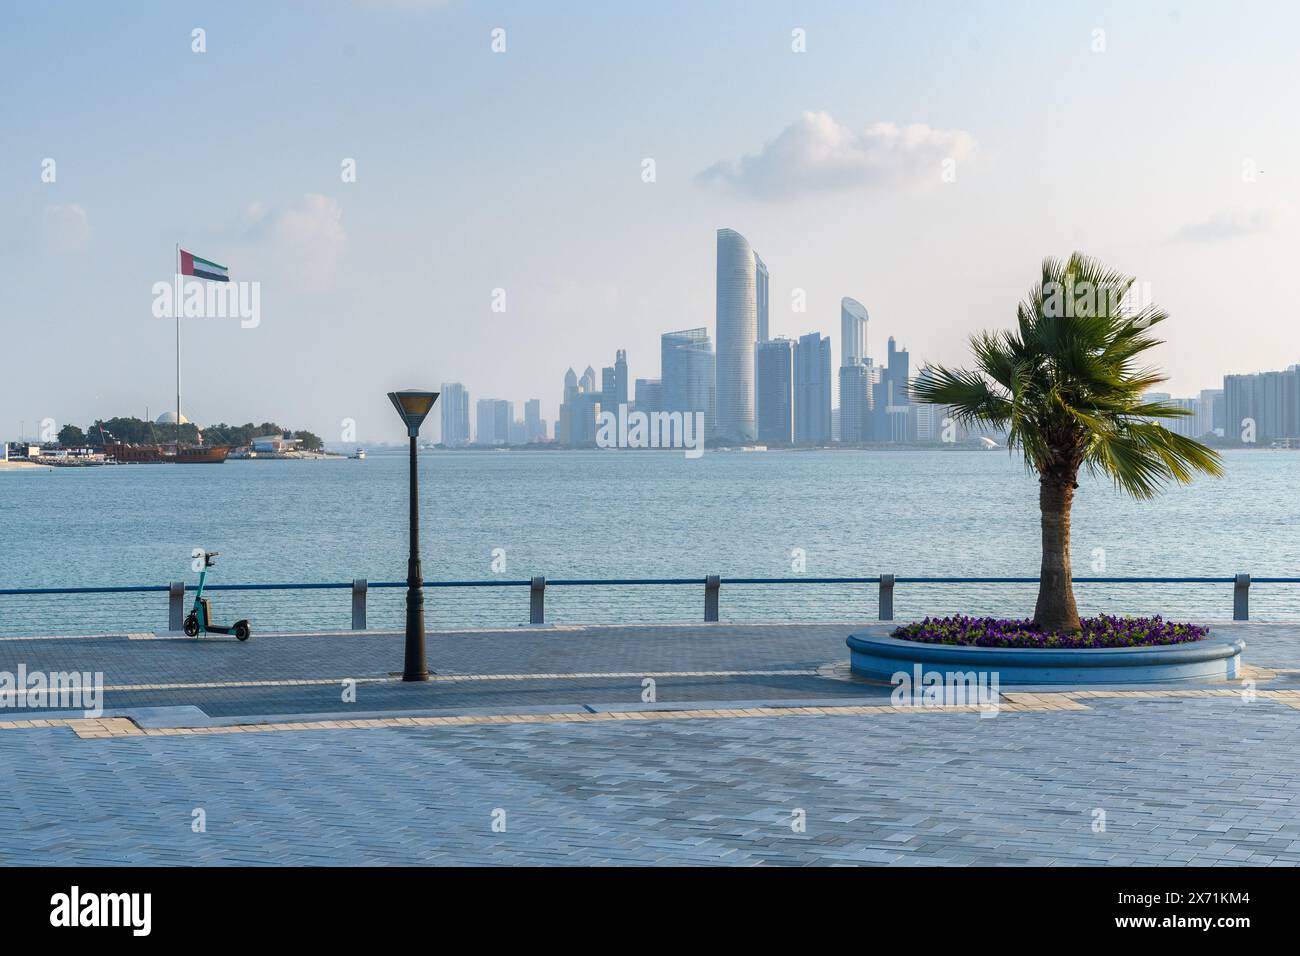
718	744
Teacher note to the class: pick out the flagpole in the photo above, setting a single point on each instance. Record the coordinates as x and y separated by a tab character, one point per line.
176	305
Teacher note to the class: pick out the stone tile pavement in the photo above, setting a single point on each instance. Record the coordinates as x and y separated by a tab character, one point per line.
1176	779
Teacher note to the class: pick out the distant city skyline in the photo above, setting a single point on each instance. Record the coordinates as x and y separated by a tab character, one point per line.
586	198
793	391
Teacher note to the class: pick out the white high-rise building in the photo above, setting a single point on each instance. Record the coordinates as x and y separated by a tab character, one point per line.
736	336
761	297
454	402
1209	406
853	333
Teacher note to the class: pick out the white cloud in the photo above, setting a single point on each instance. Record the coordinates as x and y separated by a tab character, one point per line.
1230	224
312	231
65	228
305	242
817	154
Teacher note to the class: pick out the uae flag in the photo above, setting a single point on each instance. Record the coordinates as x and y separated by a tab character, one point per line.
192	265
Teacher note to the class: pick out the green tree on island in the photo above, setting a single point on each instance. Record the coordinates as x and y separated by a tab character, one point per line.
1067	386
308	441
70	436
139	432
136	431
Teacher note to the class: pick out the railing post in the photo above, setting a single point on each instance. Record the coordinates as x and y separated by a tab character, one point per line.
1241	598
537	600
886	597
712	584
176	606
359	588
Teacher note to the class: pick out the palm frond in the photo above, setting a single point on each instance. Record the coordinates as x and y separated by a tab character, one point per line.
1069	385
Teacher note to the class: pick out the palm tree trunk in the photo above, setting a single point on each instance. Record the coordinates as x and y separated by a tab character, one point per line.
1056	610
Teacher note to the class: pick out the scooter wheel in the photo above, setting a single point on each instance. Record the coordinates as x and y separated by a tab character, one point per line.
243	631
192	626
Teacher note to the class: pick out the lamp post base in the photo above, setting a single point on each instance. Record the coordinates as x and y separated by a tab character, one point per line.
415	667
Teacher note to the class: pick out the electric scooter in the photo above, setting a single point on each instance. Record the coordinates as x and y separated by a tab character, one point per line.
199	620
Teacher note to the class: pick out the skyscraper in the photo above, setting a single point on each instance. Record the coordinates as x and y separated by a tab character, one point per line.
576	425
737	334
686	364
620	378
934	423
563	424
613	383
495	416
775	391
892	397
812	389
1265	405
857	384
1186	425
1209	412
649	395
534	427
761	297
608	389
454	401
853	334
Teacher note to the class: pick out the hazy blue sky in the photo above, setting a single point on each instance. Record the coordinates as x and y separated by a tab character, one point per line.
522	171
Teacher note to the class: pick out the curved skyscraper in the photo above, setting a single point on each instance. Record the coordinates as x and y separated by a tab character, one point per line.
853	333
737	332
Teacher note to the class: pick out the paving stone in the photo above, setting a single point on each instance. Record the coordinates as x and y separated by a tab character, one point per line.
1183	780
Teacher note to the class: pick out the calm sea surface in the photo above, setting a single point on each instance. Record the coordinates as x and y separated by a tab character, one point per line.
626	514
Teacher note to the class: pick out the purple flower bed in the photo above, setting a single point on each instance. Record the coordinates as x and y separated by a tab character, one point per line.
1102	631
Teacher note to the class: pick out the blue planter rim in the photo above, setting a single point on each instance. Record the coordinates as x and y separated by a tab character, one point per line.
876	641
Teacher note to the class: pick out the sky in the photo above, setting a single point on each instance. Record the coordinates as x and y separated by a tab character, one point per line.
922	157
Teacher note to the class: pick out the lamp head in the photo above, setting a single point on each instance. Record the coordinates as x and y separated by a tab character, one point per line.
413	405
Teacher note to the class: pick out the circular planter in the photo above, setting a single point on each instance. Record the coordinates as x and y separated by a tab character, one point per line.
874	654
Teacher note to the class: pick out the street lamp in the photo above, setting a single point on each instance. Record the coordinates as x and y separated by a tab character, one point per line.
413	405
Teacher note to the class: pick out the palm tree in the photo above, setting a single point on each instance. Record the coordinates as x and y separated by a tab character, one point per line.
1067	386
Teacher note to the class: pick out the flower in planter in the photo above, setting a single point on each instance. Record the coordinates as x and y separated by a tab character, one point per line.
1102	631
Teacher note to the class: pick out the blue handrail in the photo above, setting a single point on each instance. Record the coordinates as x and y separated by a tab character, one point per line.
637	582
712	584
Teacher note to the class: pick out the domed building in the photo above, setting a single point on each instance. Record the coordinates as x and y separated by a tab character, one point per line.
169	418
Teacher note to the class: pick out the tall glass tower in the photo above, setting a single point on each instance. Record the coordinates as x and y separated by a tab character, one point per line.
686	364
776	391
853	333
737	334
812	389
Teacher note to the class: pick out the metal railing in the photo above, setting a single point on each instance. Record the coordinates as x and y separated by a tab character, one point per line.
712	585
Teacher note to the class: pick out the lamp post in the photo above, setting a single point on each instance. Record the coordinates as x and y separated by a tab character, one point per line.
413	405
